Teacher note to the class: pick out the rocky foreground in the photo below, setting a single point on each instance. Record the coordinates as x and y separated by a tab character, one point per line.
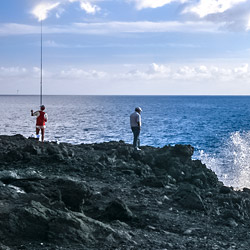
108	196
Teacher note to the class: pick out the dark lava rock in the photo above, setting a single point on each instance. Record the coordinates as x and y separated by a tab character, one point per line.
183	150
152	181
225	190
73	193
117	210
187	197
108	196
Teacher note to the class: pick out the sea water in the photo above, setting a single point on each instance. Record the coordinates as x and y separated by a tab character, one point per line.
218	127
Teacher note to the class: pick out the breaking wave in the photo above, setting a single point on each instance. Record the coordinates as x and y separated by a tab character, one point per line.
232	162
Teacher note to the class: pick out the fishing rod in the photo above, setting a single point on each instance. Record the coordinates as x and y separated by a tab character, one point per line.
41	76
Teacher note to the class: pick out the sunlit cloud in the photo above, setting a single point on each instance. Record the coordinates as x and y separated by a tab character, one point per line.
113	28
53	44
205	7
152	73
248	24
7	29
142	4
87	6
242	69
12	71
146	26
233	14
59	12
41	11
76	73
156	68
194	73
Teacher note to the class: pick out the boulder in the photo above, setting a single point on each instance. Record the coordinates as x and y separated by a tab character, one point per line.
188	198
117	210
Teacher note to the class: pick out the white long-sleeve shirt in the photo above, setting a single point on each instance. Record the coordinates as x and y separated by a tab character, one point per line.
135	119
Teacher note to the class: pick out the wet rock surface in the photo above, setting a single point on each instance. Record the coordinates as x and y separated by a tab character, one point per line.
108	196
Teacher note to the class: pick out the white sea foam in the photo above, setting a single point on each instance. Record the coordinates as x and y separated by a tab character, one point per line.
232	163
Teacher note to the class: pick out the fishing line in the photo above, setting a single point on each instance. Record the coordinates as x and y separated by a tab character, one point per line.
41	73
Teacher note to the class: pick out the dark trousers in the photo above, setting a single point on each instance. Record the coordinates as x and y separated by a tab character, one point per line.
136	132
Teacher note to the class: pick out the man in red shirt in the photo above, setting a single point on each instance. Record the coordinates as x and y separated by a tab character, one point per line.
41	118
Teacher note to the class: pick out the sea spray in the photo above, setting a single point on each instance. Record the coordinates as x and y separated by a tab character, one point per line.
232	162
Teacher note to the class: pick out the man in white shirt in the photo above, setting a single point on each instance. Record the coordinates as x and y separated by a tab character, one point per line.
135	123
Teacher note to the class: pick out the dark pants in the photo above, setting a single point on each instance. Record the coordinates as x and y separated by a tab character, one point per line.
136	132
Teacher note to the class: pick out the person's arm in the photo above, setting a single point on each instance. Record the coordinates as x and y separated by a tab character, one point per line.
46	117
37	113
139	122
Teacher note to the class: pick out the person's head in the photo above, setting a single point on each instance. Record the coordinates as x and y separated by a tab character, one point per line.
138	109
42	107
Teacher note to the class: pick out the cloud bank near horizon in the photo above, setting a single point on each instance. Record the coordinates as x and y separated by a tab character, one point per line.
152	79
154	71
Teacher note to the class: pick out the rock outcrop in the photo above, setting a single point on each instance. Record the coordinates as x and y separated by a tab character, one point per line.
108	196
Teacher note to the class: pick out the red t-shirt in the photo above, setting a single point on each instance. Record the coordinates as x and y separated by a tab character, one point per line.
41	118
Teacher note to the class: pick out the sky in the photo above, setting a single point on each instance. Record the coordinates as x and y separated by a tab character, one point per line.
125	47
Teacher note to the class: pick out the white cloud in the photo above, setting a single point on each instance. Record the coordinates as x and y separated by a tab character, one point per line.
87	6
112	28
206	7
142	4
75	73
146	26
156	68
59	12
12	71
248	24
42	10
233	13
242	71
187	73
153	78
18	72
17	29
53	44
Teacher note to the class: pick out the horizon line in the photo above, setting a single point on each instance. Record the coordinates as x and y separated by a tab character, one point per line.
229	95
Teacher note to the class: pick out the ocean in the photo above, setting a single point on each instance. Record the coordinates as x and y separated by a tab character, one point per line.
218	127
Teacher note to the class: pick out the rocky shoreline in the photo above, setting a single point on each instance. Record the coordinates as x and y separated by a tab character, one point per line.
108	196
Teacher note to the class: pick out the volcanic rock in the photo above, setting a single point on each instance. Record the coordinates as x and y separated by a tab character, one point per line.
108	196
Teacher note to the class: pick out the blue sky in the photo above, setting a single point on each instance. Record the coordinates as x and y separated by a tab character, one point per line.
162	47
